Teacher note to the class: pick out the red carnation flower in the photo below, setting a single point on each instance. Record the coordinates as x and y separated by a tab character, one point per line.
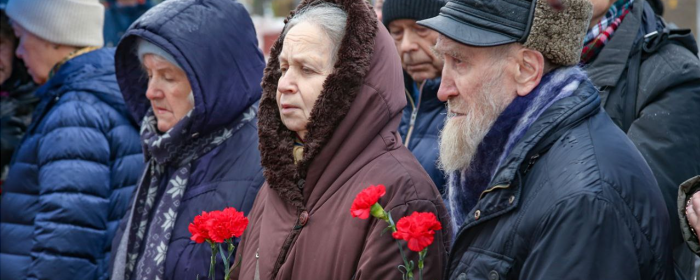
362	206
226	224
199	228
418	230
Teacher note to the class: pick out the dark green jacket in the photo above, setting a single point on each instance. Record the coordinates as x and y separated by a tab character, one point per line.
665	126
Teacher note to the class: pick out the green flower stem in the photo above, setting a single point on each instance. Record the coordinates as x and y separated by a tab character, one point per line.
227	261
421	259
212	264
409	268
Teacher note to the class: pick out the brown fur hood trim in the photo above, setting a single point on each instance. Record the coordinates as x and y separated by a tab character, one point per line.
339	92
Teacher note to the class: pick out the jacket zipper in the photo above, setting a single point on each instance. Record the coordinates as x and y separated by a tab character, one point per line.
414	113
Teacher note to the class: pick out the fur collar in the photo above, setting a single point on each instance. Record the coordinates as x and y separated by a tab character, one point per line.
339	92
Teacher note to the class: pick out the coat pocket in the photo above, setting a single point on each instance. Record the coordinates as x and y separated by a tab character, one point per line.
481	264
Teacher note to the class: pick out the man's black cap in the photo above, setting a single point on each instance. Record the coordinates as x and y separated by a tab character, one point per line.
492	22
410	9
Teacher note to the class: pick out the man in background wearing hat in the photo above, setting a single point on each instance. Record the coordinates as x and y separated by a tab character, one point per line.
561	192
73	174
649	81
424	114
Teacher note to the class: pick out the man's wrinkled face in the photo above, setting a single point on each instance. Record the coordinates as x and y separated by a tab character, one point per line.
305	62
7	53
168	90
477	90
414	43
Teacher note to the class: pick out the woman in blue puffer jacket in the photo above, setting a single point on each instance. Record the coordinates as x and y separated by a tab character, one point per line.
74	172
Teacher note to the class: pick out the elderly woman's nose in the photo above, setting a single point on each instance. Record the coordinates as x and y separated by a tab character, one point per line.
153	92
287	83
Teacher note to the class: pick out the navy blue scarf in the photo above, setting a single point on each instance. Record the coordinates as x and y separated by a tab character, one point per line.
465	187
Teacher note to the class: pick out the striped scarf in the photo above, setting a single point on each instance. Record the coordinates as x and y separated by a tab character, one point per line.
600	34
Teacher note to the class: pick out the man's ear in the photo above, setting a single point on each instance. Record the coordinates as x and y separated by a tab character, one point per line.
529	71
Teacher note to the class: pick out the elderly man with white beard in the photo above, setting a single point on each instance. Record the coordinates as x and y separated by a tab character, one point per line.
542	184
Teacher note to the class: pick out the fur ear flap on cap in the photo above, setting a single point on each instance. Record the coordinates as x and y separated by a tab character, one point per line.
558	35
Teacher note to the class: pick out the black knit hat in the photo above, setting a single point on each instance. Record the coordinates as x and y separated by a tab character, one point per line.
410	9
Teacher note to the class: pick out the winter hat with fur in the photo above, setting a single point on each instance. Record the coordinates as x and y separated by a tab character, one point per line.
75	23
558	35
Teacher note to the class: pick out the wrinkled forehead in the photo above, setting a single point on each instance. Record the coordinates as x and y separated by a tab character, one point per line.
447	46
156	62
306	40
454	49
404	23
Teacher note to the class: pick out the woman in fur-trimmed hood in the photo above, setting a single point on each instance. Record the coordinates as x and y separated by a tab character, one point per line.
328	130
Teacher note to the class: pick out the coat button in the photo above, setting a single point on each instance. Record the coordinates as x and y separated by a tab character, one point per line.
303	218
493	275
511	199
477	214
462	276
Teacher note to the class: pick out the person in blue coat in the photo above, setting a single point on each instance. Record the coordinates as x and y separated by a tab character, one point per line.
119	15
424	116
74	172
195	85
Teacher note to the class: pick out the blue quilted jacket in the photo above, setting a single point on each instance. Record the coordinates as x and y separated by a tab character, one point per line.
421	122
72	176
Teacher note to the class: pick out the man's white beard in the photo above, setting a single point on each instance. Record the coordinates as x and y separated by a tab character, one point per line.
462	135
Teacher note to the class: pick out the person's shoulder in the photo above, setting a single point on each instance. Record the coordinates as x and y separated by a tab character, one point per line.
673	60
400	170
589	154
597	159
236	158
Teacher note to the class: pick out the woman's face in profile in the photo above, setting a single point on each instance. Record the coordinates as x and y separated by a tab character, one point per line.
305	64
168	90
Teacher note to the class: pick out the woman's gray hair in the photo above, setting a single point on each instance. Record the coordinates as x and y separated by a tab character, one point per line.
329	17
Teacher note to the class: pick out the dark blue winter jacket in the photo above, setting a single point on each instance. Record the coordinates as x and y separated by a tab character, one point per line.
422	120
118	19
72	176
574	199
215	44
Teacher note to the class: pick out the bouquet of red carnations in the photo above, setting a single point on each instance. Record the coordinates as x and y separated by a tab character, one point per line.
219	228
417	229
